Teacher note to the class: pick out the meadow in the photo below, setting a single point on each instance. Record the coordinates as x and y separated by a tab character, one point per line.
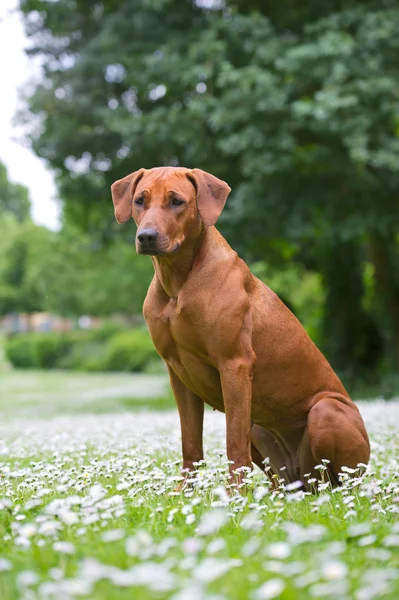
89	466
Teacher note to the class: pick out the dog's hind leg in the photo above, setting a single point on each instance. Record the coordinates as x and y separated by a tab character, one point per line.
335	431
264	445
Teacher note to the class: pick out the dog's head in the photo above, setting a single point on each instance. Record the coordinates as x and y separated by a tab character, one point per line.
169	205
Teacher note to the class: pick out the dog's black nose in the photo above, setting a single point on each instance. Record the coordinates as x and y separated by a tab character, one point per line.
147	236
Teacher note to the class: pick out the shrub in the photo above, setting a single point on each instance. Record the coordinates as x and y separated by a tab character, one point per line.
107	331
20	351
130	351
84	355
85	350
50	348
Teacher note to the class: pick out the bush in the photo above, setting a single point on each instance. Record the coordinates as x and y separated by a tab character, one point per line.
130	351
107	331
84	356
50	348
37	350
88	350
20	351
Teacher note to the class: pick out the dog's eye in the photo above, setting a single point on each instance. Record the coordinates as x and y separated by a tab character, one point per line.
176	202
139	201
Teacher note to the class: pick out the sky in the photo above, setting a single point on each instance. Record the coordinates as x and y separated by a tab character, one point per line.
22	164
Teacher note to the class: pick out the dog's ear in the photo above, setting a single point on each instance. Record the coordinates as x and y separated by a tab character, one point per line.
211	195
122	195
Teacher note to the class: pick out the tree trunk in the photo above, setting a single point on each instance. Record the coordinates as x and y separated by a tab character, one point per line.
351	338
381	251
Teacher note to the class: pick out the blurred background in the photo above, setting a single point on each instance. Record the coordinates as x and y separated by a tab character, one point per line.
295	105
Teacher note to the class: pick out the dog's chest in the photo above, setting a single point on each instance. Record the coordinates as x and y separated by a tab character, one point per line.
181	341
171	329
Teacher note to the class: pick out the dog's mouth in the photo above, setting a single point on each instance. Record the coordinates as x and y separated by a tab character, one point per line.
154	251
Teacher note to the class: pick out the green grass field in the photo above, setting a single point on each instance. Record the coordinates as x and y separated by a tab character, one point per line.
89	465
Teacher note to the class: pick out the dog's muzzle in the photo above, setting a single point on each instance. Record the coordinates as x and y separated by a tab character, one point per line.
147	241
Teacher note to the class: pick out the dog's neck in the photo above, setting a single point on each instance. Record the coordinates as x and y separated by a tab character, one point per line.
173	271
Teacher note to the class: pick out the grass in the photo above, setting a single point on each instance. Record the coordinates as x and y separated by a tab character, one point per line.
50	393
88	506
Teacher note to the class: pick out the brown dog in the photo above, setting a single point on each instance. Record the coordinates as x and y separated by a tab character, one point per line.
229	341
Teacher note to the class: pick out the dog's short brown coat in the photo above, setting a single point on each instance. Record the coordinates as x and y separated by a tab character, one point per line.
229	341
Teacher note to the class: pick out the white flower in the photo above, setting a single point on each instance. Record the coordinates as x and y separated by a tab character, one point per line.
260	492
336	589
112	535
322	499
250	547
214	568
188	563
192	546
92	570
64	547
300	535
49	528
212	521
194	591
22	541
251	521
295	485
27	578
271	589
74	587
56	573
216	546
190	519
358	529
274	566
97	492
5	565
27	530
367	540
348	470
68	517
334	569
134	545
350	513
379	554
222	494
121	578
155	576
391	540
279	550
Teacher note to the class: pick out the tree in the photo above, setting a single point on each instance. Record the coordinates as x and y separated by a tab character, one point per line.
21	244
14	197
68	273
296	107
82	276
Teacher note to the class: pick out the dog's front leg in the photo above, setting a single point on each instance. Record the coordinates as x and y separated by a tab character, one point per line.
191	412
236	380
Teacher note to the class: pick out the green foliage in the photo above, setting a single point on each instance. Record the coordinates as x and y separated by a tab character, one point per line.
84	355
130	351
105	332
23	249
301	290
91	350
20	350
37	350
20	244
81	275
14	198
68	273
50	348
